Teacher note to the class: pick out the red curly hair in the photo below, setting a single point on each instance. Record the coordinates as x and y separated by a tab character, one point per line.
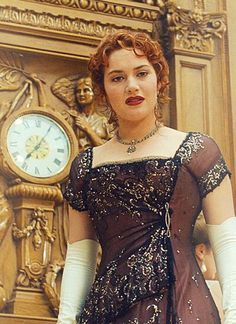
138	42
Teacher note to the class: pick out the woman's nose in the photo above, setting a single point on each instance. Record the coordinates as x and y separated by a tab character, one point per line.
132	86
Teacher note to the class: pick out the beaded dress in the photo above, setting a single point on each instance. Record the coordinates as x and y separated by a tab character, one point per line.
143	212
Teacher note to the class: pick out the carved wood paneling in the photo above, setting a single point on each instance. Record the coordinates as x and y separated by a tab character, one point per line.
59	23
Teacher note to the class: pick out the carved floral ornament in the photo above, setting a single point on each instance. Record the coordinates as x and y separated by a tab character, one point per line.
105	7
38	229
194	30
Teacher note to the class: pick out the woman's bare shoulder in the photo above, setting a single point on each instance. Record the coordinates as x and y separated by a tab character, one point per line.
104	147
173	132
103	152
173	136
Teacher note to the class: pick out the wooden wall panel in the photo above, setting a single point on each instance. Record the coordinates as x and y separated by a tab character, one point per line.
193	94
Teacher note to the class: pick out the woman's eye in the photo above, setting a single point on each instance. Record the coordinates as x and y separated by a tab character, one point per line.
142	74
117	79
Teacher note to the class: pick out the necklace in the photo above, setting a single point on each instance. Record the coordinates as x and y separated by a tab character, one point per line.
132	144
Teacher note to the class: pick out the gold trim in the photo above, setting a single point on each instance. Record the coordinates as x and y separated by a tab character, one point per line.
134	160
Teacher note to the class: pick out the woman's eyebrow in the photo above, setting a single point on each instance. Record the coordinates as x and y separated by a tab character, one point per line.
136	68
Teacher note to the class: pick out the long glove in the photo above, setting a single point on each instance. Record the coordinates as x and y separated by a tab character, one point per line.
77	279
223	241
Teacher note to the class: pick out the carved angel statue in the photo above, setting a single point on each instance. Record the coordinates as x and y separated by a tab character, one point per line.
91	127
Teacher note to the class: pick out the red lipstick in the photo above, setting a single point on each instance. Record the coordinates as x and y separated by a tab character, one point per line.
134	101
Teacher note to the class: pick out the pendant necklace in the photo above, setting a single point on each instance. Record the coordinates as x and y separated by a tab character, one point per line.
132	144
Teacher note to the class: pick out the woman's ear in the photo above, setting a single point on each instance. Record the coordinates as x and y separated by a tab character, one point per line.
200	251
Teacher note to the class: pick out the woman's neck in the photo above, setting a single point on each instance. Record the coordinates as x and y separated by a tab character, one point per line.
135	130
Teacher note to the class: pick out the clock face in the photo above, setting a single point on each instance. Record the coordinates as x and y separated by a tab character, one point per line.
38	145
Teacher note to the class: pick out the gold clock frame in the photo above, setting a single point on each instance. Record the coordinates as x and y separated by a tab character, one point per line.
8	162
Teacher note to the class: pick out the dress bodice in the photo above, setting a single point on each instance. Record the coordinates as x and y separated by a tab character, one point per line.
143	212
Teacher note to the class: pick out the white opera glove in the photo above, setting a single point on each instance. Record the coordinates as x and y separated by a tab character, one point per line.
223	241
78	276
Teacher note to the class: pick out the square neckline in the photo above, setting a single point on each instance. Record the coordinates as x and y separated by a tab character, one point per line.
138	160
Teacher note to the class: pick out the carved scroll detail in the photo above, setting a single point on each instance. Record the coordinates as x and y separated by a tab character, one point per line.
194	30
26	280
50	287
106	7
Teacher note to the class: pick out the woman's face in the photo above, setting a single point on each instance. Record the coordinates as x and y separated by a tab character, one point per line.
131	85
84	93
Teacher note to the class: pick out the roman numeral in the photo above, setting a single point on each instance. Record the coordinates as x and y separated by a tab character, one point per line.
25	166
60	150
57	162
38	123
26	124
36	171
13	144
15	154
49	170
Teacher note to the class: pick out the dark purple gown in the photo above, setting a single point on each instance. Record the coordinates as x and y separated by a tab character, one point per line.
143	212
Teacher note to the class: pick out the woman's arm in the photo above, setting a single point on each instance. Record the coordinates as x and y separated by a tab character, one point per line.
218	205
219	213
80	265
80	226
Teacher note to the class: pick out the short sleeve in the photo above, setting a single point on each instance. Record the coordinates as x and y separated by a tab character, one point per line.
205	162
75	188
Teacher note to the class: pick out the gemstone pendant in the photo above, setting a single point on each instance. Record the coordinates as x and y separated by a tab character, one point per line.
131	149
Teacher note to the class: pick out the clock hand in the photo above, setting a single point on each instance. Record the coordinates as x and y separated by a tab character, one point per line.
39	143
37	146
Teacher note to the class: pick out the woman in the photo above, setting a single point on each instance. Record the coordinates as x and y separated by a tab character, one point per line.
139	194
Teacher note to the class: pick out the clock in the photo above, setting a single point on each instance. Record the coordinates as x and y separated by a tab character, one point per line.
38	145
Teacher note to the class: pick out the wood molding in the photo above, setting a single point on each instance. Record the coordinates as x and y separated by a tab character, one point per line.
24	319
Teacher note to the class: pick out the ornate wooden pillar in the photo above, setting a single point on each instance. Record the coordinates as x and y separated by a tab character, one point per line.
34	233
198	64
